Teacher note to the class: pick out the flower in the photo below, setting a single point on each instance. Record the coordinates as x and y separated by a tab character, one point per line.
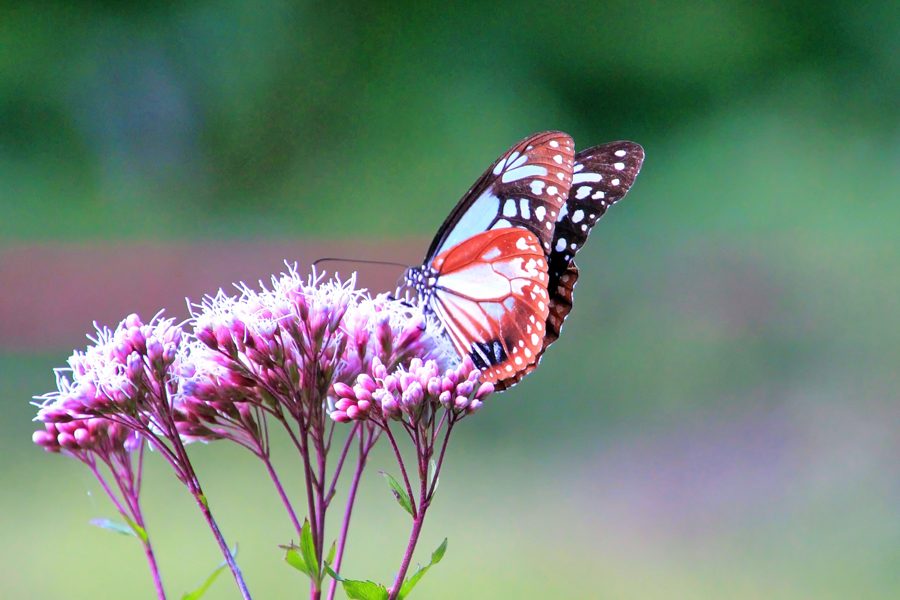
282	349
412	393
81	436
124	373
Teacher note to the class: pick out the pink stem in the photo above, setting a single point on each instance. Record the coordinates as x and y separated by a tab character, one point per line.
364	448
399	456
282	494
410	547
220	539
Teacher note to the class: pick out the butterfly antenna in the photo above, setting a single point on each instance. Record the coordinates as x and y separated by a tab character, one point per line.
386	263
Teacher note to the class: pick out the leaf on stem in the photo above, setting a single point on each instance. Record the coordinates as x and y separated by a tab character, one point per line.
293	557
198	593
433	479
127	528
410	583
364	590
332	552
307	562
399	492
308	550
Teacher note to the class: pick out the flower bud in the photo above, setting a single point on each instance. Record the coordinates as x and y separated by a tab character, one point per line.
484	389
343	390
367	382
465	388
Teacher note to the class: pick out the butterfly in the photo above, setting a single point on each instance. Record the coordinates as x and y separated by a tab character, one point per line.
500	272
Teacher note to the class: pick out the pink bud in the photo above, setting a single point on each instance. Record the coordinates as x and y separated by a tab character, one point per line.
445	398
343	390
207	337
367	382
361	393
474	406
364	405
82	436
67	441
485	389
43	438
434	386
340	416
353	412
132	321
461	402
465	388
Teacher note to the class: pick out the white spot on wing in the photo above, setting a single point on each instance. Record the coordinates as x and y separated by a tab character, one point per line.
560	244
537	187
582	192
540	212
516	174
586	178
562	212
509	208
577	216
524	209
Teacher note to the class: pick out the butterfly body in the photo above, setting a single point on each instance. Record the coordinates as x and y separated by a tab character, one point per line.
500	273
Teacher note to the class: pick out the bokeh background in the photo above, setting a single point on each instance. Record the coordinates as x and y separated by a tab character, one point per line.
720	418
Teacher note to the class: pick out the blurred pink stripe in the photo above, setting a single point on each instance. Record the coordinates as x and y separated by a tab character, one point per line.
51	294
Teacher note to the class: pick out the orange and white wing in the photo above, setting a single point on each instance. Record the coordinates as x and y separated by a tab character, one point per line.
490	293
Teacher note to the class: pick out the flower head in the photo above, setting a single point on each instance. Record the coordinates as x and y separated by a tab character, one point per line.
125	372
411	393
283	348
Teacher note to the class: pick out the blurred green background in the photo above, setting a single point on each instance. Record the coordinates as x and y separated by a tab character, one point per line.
720	418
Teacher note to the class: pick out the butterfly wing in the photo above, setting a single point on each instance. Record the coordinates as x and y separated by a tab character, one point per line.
490	292
526	187
602	175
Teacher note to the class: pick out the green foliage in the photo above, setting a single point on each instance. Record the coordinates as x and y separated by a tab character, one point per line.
364	590
303	557
207	583
127	528
399	492
410	583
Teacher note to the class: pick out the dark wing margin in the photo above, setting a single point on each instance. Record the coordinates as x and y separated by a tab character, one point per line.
602	175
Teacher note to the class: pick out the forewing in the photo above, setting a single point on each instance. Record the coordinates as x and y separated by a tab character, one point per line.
490	292
602	175
526	187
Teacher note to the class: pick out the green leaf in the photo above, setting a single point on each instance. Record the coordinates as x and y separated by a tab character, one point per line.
438	553
308	551
198	593
399	493
293	557
364	590
410	583
332	552
127	528
332	573
433	480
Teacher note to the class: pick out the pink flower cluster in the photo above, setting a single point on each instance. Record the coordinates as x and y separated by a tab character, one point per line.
76	437
281	349
123	376
413	393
